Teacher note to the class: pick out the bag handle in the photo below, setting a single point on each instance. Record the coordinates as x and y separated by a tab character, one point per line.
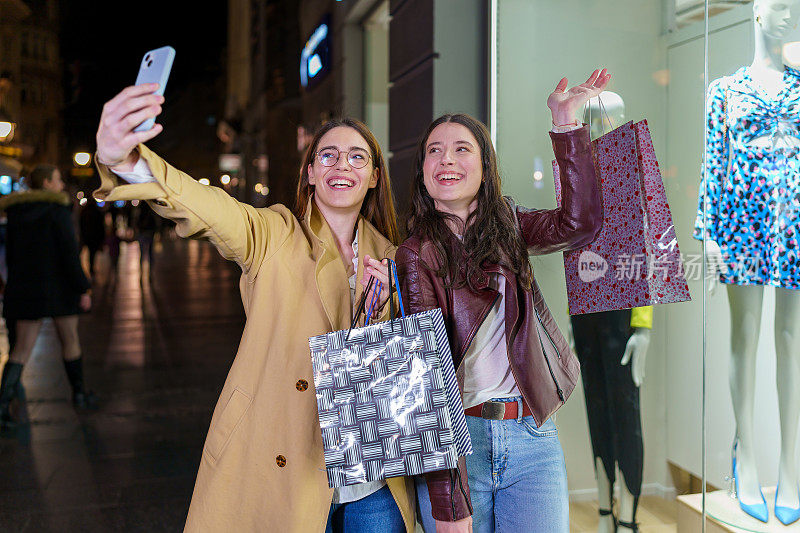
392	288
603	111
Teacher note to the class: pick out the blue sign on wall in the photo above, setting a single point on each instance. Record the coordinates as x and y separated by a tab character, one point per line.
315	58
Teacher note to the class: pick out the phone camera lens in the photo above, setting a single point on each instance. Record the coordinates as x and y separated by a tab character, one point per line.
150	63
147	57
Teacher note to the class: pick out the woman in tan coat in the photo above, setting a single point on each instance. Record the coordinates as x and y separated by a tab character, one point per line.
262	467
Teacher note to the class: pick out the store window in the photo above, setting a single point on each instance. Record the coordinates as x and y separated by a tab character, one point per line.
376	72
712	425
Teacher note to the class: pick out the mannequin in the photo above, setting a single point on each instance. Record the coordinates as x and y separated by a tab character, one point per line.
612	347
751	227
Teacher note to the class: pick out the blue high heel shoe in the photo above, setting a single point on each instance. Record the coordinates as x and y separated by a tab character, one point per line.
786	515
757	510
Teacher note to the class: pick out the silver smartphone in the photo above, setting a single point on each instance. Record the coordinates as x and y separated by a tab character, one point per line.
155	68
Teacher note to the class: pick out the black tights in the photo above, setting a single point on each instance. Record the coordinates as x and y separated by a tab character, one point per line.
612	399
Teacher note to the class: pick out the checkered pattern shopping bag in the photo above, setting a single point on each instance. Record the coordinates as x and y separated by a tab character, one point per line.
387	398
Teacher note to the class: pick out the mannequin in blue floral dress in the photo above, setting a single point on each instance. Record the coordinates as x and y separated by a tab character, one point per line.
750	226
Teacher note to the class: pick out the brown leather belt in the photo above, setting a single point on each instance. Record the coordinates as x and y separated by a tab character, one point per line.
497	410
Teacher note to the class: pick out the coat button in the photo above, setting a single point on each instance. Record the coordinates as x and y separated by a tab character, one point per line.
281	460
301	385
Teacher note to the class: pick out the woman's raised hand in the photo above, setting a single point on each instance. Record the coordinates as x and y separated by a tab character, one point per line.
116	139
564	103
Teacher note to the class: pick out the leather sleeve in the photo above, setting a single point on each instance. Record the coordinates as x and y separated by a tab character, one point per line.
579	219
449	492
416	286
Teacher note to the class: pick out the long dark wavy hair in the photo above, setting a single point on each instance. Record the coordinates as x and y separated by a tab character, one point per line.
378	205
490	232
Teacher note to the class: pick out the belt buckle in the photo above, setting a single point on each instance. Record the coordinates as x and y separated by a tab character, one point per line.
493	410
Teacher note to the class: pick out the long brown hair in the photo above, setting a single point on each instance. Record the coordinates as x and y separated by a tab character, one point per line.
378	205
491	233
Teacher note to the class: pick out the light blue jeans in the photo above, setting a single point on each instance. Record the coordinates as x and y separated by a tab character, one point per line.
376	513
517	478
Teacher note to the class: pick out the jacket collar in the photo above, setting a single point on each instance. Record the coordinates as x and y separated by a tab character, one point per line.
480	276
34	195
331	275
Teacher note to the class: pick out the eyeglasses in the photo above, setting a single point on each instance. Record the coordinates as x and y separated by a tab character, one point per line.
356	158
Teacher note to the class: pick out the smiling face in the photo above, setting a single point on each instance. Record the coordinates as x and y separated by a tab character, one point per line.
342	186
776	17
452	170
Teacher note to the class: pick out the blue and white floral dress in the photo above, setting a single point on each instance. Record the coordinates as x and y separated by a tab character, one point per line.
753	182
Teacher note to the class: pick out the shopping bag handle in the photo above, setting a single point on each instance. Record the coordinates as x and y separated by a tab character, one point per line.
392	288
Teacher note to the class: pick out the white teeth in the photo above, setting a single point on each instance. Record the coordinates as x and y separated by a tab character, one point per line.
339	183
448	177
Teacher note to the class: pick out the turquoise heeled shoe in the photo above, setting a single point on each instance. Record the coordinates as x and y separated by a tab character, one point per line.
786	515
756	510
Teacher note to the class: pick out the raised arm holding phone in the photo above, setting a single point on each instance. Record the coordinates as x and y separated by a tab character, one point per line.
262	466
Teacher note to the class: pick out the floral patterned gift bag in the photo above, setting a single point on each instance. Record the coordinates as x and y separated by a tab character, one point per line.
635	260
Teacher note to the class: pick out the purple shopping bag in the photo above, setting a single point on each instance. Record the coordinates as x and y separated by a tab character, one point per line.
635	260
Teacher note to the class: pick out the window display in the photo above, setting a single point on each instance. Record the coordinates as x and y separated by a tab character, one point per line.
748	216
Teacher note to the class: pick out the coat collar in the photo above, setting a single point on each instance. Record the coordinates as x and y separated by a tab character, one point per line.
331	275
34	195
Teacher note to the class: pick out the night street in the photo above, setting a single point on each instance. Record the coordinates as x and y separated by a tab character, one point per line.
156	354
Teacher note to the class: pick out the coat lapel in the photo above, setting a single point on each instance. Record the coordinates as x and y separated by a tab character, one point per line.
330	275
370	243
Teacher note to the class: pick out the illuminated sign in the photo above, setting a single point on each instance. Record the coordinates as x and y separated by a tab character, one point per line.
315	57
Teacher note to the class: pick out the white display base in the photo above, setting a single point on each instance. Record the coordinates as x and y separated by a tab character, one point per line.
725	515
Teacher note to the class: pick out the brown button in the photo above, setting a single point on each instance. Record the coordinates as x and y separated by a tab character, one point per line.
281	460
301	385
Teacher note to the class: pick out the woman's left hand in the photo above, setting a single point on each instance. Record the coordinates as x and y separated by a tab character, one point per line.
563	102
380	271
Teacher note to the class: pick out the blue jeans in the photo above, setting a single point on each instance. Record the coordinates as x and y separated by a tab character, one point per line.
377	513
517	478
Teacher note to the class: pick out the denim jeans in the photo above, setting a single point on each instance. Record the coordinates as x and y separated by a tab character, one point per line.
517	478
376	513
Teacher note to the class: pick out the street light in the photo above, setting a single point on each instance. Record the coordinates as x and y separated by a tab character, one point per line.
6	131
225	179
82	158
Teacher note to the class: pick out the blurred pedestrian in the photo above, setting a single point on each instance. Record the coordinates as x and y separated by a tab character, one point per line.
45	279
146	225
92	230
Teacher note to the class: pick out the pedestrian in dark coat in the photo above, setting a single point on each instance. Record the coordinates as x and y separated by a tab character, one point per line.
45	280
93	230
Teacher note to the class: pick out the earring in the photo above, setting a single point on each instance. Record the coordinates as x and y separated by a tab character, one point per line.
758	19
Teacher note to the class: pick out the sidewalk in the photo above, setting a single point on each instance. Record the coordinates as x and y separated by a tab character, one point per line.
156	352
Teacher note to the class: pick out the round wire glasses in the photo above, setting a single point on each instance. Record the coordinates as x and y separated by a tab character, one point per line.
356	158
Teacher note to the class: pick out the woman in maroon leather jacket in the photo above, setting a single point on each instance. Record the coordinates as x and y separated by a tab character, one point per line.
468	255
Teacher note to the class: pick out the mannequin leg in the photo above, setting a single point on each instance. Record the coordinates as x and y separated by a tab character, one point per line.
745	304
627	504
594	336
605	496
787	348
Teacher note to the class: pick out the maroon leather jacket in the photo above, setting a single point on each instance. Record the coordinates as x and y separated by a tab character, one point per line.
543	365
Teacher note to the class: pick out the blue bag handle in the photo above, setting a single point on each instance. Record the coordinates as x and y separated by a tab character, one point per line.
392	287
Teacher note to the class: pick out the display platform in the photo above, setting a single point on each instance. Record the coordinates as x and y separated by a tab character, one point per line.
725	515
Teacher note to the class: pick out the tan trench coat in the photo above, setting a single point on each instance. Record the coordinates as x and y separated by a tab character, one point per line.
262	467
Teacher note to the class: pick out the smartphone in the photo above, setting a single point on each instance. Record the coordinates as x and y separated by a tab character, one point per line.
155	68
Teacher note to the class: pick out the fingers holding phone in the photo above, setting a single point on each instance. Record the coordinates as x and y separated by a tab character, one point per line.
129	118
121	115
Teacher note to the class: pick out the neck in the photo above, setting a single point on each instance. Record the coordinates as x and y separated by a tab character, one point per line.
342	223
768	54
462	211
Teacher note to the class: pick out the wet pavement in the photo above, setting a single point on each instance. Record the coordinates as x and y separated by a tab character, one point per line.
157	348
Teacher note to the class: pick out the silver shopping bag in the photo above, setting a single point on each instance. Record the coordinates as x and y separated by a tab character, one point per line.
387	398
